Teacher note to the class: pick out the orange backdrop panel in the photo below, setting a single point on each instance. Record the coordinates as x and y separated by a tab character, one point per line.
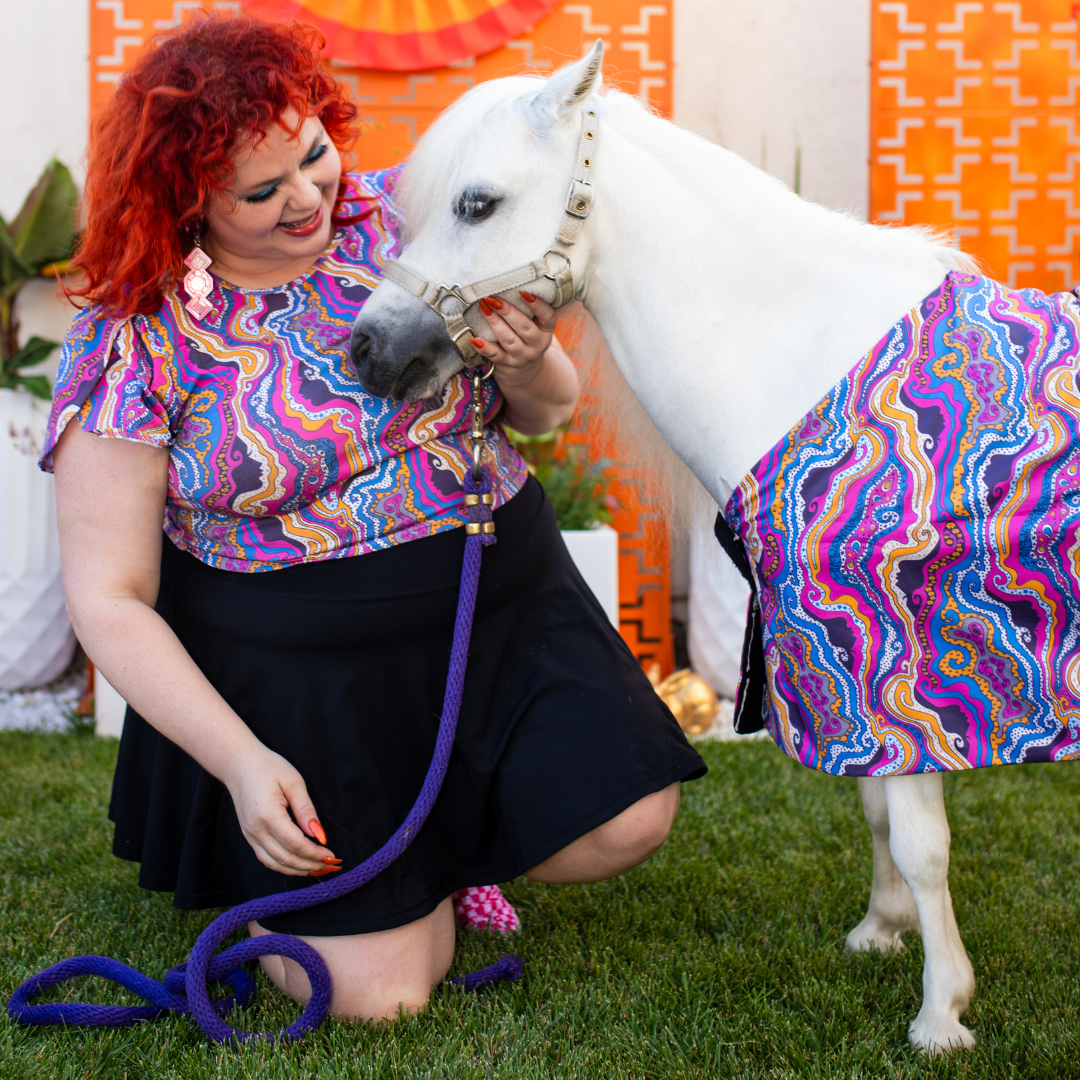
644	546
409	35
396	108
974	113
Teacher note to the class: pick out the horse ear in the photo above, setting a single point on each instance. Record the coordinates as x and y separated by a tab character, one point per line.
571	85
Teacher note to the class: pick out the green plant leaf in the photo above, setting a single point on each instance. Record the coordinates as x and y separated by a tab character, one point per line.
44	228
37	385
35	351
12	268
579	489
576	488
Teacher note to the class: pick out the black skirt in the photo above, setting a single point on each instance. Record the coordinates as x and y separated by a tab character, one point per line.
340	666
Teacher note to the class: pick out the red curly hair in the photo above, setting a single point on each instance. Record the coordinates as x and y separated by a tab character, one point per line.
161	148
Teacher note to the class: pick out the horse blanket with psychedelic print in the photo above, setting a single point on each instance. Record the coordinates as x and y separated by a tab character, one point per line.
915	542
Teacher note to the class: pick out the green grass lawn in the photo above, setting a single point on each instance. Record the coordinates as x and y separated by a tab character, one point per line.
723	956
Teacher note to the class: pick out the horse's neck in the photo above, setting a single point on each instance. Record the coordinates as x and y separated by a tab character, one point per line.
730	305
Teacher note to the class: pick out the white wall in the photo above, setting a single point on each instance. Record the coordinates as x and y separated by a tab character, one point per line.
44	113
44	91
764	77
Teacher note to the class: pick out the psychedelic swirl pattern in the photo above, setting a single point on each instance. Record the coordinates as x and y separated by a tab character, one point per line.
277	456
916	545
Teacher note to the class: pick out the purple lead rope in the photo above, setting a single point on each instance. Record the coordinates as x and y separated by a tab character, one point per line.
184	989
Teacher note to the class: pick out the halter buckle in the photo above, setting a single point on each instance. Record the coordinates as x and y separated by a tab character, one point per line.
448	300
443	293
579	200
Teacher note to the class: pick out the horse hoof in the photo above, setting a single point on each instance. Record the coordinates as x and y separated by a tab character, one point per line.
873	937
939	1035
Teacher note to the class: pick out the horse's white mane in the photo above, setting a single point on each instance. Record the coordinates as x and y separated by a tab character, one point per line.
710	176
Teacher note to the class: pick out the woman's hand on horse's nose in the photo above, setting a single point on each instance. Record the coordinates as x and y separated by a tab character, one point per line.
264	789
520	339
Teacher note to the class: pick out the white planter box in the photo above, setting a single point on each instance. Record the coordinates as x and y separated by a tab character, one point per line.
109	708
596	554
36	639
717	611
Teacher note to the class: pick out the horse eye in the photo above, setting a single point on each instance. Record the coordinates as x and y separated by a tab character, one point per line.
474	206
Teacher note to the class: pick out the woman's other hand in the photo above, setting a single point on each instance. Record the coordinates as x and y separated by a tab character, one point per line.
264	789
110	503
520	339
537	379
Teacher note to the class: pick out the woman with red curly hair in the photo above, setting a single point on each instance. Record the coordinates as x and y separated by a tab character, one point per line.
285	694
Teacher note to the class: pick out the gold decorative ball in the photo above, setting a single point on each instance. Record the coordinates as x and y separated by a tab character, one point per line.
692	701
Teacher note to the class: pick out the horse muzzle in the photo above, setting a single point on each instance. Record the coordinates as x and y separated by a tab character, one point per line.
402	354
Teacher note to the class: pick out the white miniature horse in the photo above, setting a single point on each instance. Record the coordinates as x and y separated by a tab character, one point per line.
758	302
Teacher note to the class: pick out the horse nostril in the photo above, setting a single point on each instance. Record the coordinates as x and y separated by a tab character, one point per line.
360	349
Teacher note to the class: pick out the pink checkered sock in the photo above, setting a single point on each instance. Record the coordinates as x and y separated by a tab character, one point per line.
483	907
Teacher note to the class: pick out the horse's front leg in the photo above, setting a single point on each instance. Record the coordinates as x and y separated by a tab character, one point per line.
919	843
892	908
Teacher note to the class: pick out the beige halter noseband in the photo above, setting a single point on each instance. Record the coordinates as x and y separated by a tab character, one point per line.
452	301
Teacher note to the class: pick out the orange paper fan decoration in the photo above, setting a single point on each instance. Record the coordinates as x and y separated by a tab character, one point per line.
408	35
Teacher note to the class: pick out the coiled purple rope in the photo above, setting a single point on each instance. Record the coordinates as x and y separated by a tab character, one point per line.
184	989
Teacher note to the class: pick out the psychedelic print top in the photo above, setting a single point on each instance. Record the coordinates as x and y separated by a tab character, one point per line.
915	542
277	456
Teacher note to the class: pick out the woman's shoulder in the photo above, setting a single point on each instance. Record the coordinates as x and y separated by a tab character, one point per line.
369	221
371	195
90	329
99	339
87	346
363	188
96	334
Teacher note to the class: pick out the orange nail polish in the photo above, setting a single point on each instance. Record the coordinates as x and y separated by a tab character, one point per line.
486	306
316	830
325	870
495	302
330	860
477	343
527	296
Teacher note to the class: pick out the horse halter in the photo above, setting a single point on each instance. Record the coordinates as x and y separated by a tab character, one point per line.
451	302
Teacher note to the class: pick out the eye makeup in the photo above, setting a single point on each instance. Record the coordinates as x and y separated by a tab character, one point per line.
268	193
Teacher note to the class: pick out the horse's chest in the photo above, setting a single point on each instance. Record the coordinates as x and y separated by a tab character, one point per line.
916	543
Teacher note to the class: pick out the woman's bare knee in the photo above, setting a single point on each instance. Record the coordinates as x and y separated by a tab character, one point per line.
618	845
641	830
377	976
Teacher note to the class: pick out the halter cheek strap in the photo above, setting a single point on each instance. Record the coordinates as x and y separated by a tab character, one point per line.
451	302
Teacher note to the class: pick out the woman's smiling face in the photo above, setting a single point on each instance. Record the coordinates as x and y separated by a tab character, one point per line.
274	219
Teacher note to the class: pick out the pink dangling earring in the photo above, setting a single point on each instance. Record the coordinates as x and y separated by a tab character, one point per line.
197	282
